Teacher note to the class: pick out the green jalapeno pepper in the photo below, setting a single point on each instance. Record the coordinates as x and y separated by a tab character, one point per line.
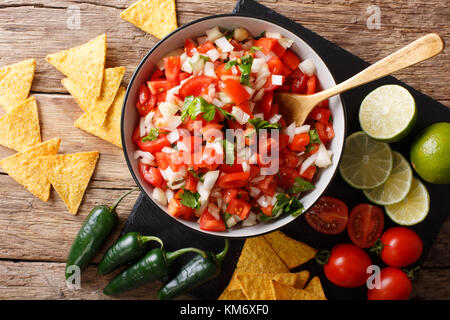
98	225
128	248
153	266
196	272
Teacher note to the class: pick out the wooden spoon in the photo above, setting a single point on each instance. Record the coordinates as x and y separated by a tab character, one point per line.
297	107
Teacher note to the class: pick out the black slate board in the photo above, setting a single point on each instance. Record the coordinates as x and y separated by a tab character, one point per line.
148	218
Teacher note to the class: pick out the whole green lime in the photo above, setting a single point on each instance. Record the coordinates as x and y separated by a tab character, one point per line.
430	153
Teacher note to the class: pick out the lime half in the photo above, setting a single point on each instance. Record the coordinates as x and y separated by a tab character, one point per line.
396	186
388	113
366	163
414	208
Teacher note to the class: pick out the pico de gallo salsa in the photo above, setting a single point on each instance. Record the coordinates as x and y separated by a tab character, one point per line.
219	82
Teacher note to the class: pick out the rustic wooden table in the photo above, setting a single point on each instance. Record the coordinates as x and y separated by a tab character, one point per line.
35	236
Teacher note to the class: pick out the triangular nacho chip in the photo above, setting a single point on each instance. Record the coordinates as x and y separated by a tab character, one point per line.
84	65
157	17
25	168
15	83
70	174
302	279
110	130
97	108
19	129
259	287
285	292
292	252
315	288
232	295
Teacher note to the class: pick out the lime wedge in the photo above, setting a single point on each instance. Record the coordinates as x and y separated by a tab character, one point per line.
396	186
366	163
388	113
414	208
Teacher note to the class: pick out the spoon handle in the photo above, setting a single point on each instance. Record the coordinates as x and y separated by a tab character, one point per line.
417	51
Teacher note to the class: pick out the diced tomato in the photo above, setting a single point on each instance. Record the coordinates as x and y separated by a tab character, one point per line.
267	210
299	82
152	175
183	76
239	207
234	125
161	97
269	86
275	110
191	183
179	210
208	222
136	135
195	86
320	114
223	71
189	45
153	146
275	66
208	45
233	180
325	131
270	44
311	85
266	104
229	194
313	148
237	167
300	142
144	94
324	104
235	91
159	86
172	160
211	159
278	49
330	131
158	74
172	66
290	59
285	179
268	185
237	46
284	141
254	171
245	107
309	173
289	159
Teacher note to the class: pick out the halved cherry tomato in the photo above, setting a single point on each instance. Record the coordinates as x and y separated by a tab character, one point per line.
347	266
401	247
235	91
195	86
299	142
329	215
172	66
209	223
159	86
233	180
154	146
275	66
394	285
365	225
152	175
239	207
290	59
179	210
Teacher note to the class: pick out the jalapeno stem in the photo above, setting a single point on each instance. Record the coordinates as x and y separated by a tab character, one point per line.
170	256
144	239
221	255
116	203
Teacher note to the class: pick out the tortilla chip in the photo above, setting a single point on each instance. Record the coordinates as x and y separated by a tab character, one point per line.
232	295
25	168
84	65
15	83
19	129
110	130
302	279
97	108
292	252
285	292
259	287
70	174
315	288
157	17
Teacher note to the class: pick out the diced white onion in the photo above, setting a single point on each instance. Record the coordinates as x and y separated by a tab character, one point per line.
224	98
274	35
232	220
208	70
174	178
259	95
285	42
277	80
248	45
290	131
173	136
251	220
213	34
224	44
257	64
254	192
303	129
167	150
215	212
216	145
264	201
307	67
168	109
245	166
170	97
146	157
169	194
275	118
217	103
186	66
240	34
259	115
160	196
213	54
251	105
142	131
204	187
249	90
308	162
323	157
258	179
239	115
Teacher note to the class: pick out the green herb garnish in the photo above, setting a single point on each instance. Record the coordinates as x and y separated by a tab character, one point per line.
195	106
152	135
254	48
197	176
246	66
190	199
285	204
231	64
259	124
300	185
313	136
261	35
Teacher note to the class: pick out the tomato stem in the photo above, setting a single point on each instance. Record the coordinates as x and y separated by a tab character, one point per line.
322	257
412	272
377	247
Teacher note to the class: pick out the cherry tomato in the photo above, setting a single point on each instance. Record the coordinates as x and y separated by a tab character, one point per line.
152	175
178	210
153	146
209	223
300	142
401	247
329	215
235	91
233	180
394	285
172	66
239	207
195	86
365	225
347	266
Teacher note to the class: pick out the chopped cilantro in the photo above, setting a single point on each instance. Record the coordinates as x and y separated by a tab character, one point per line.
190	199
300	185
254	48
259	124
152	135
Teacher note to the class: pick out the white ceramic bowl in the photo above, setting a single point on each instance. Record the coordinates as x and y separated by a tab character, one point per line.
193	30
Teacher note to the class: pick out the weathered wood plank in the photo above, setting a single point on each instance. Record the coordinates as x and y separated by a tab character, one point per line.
42	280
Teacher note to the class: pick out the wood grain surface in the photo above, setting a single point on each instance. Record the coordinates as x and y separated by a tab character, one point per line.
35	236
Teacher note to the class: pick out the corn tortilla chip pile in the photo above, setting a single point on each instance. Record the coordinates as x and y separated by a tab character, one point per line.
94	88
157	17
262	271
